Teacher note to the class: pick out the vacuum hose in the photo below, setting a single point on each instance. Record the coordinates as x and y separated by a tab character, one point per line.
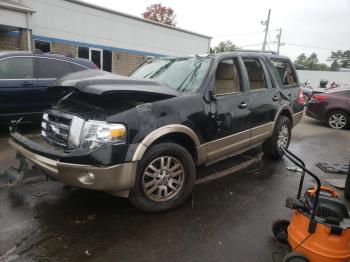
347	185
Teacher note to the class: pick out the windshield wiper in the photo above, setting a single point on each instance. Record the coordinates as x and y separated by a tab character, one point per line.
159	70
193	74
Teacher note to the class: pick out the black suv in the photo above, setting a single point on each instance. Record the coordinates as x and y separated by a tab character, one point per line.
142	136
25	78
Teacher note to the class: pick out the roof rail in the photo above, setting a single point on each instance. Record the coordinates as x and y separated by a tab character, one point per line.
258	51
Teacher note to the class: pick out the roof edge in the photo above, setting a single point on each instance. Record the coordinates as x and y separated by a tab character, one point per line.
79	2
9	5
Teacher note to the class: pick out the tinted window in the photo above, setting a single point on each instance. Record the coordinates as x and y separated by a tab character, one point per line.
256	75
76	67
107	61
83	52
51	68
16	68
227	78
43	46
285	72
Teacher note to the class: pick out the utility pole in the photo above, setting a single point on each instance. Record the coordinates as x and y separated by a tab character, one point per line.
266	23
279	36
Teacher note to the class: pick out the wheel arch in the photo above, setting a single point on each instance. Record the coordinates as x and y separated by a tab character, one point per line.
283	111
177	133
334	109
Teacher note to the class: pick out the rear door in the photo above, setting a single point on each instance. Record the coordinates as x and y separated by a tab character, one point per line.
17	82
264	98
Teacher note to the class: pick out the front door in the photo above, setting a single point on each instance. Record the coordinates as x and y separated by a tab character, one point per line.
17	82
96	56
228	111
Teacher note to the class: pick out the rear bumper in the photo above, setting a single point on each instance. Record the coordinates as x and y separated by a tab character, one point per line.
113	178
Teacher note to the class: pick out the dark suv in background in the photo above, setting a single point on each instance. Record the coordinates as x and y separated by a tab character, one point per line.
25	78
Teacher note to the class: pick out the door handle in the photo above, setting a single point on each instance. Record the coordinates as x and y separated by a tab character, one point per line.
276	98
27	84
243	105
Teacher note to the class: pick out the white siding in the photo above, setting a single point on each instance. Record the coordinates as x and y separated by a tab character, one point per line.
69	21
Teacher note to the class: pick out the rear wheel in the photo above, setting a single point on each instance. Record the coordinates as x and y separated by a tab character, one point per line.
338	120
279	230
295	257
164	179
280	138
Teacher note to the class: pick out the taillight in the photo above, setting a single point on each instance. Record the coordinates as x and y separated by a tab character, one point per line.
319	97
301	100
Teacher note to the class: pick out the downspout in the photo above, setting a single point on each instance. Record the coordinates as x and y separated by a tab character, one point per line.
29	33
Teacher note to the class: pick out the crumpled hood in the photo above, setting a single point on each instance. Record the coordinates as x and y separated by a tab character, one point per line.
100	82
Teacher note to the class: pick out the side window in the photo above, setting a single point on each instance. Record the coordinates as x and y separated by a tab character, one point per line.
256	75
51	68
77	68
16	68
285	72
227	78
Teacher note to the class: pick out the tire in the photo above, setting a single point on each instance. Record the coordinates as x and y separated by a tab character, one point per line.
338	120
271	146
164	178
279	230
295	257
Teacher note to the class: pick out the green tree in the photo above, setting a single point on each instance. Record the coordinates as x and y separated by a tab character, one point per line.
224	46
160	14
342	57
334	66
301	60
312	61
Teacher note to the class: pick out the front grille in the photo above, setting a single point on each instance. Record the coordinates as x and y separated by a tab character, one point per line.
56	127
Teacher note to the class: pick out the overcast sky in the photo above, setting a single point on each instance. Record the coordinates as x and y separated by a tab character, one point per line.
307	25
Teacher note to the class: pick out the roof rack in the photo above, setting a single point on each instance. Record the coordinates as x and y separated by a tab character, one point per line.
257	51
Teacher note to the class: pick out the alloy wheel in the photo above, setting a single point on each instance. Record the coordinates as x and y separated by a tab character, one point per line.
283	137
163	178
337	121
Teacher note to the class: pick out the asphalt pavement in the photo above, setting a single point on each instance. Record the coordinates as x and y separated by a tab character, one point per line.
228	219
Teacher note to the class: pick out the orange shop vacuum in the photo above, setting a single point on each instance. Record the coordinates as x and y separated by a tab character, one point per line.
319	230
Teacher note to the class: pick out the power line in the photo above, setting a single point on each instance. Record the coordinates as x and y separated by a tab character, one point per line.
316	47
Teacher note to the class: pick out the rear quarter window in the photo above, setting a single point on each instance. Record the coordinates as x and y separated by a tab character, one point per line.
285	72
52	68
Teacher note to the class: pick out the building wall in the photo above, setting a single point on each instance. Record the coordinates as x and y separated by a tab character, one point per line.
66	20
66	49
8	42
124	63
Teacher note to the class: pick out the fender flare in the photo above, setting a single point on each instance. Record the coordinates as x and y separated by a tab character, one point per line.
160	132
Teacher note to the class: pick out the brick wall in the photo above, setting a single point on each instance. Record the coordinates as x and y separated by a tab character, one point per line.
8	42
60	48
124	63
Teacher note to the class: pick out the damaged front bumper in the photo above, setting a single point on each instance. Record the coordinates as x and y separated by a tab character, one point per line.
111	178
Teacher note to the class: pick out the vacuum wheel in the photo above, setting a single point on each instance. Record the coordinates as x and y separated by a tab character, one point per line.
295	257
279	230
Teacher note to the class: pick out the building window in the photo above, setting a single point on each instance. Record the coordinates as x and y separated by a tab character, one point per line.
107	61
44	46
83	52
101	58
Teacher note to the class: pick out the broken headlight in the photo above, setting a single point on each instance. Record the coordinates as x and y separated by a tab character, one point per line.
96	133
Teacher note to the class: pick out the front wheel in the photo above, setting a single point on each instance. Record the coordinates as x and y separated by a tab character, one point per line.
280	138
295	257
280	230
338	120
164	179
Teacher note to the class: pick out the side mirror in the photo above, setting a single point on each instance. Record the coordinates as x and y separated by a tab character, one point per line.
210	96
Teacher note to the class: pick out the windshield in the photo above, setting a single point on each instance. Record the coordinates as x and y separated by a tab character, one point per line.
185	74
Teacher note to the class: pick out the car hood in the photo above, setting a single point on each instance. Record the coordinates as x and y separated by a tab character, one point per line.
99	82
